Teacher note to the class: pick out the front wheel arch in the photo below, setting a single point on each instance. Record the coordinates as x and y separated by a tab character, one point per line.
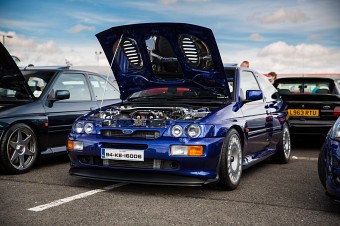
231	160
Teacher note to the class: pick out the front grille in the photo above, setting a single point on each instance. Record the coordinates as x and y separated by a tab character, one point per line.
146	164
144	134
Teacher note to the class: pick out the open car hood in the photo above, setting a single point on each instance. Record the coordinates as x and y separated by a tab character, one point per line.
11	78
155	55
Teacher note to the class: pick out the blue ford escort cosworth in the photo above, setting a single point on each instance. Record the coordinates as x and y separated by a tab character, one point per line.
184	119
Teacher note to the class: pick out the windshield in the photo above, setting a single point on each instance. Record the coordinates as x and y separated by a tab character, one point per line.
175	92
307	87
36	80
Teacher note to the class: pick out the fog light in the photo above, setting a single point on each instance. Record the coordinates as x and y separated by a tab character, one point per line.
75	145
176	131
181	150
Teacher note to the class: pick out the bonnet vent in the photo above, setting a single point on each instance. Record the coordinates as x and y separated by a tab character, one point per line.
190	50
131	52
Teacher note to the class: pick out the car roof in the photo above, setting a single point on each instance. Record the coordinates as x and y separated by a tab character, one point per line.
305	78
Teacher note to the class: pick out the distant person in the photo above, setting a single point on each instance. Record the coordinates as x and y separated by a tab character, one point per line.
316	88
244	64
272	76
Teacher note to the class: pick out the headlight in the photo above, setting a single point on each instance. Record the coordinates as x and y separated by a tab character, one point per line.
193	130
176	131
78	127
88	128
336	132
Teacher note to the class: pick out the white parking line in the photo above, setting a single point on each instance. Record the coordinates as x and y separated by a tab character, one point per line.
69	199
305	158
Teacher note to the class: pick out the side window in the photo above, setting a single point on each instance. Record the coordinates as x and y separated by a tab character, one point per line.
248	82
269	91
75	83
98	85
230	73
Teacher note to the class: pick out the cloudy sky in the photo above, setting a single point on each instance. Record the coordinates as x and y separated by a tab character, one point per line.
288	36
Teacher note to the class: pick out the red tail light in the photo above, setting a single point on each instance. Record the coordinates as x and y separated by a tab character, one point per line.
336	111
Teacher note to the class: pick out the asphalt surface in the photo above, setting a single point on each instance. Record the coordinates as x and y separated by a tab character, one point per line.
269	194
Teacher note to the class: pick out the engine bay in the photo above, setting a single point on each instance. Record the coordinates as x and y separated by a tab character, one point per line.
149	116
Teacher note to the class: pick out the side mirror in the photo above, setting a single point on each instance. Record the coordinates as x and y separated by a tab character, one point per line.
62	94
253	95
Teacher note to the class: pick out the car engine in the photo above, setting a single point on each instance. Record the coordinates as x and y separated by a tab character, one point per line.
149	116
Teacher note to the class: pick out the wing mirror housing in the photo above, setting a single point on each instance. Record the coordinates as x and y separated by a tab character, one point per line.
62	94
253	95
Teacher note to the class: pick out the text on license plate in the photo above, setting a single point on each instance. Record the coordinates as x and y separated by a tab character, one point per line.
303	112
122	154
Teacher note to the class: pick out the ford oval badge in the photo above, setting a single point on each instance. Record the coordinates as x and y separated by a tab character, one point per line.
127	131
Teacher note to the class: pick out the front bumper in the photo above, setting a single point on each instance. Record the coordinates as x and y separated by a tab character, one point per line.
158	167
140	177
333	169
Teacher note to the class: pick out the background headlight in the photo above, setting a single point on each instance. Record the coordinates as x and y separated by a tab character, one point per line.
193	130
79	126
88	128
176	131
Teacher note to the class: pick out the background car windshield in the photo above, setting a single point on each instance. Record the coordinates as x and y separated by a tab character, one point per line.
183	92
37	80
299	87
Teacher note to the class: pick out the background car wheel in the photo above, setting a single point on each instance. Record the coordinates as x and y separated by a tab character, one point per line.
322	166
231	162
19	149
283	147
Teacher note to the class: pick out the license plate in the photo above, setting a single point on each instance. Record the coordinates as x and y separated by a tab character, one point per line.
122	154
303	112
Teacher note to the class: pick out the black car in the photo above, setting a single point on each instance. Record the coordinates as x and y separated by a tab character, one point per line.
38	106
313	103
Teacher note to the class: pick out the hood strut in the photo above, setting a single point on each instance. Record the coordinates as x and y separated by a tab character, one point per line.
107	76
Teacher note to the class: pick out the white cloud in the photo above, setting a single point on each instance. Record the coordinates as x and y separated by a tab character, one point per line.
283	15
79	27
256	37
48	53
302	58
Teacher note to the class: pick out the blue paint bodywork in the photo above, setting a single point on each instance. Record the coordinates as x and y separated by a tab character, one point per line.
256	115
330	155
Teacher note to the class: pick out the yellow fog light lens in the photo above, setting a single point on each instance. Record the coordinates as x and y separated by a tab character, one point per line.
195	150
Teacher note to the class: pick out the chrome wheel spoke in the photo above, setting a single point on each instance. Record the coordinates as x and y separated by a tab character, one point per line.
22	161
27	140
14	156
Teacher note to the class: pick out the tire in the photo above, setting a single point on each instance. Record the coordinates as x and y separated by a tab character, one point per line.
322	166
19	149
283	148
230	167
